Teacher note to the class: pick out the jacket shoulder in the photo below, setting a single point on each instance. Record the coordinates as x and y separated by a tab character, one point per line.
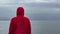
12	19
27	18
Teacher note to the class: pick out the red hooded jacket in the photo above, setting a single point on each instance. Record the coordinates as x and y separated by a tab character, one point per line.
20	24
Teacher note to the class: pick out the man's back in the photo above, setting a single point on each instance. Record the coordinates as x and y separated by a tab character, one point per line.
20	24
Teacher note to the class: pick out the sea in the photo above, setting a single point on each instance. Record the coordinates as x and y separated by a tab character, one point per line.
37	27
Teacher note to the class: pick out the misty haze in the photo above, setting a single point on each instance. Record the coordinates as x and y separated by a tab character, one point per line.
44	15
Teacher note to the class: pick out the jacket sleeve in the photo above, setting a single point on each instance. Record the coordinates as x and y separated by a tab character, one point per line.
29	28
12	27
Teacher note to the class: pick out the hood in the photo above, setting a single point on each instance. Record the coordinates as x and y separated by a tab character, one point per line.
20	11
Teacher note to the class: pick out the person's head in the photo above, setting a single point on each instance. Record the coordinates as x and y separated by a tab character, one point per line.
20	11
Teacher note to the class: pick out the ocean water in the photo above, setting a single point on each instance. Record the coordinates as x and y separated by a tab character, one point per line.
37	27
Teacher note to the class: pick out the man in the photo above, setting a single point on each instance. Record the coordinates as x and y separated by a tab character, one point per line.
20	24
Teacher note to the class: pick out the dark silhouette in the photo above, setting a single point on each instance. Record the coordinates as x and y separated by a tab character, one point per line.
20	24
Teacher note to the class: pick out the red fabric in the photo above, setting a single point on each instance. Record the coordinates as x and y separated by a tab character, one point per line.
20	24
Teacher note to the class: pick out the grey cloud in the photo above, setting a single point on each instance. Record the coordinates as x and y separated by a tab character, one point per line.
43	5
43	11
7	12
42	8
35	11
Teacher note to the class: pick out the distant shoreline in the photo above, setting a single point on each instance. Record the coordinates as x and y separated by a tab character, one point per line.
30	20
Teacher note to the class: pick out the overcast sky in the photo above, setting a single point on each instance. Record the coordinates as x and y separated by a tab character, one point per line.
33	8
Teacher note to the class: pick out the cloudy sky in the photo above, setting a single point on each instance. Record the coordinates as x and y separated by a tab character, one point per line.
34	9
